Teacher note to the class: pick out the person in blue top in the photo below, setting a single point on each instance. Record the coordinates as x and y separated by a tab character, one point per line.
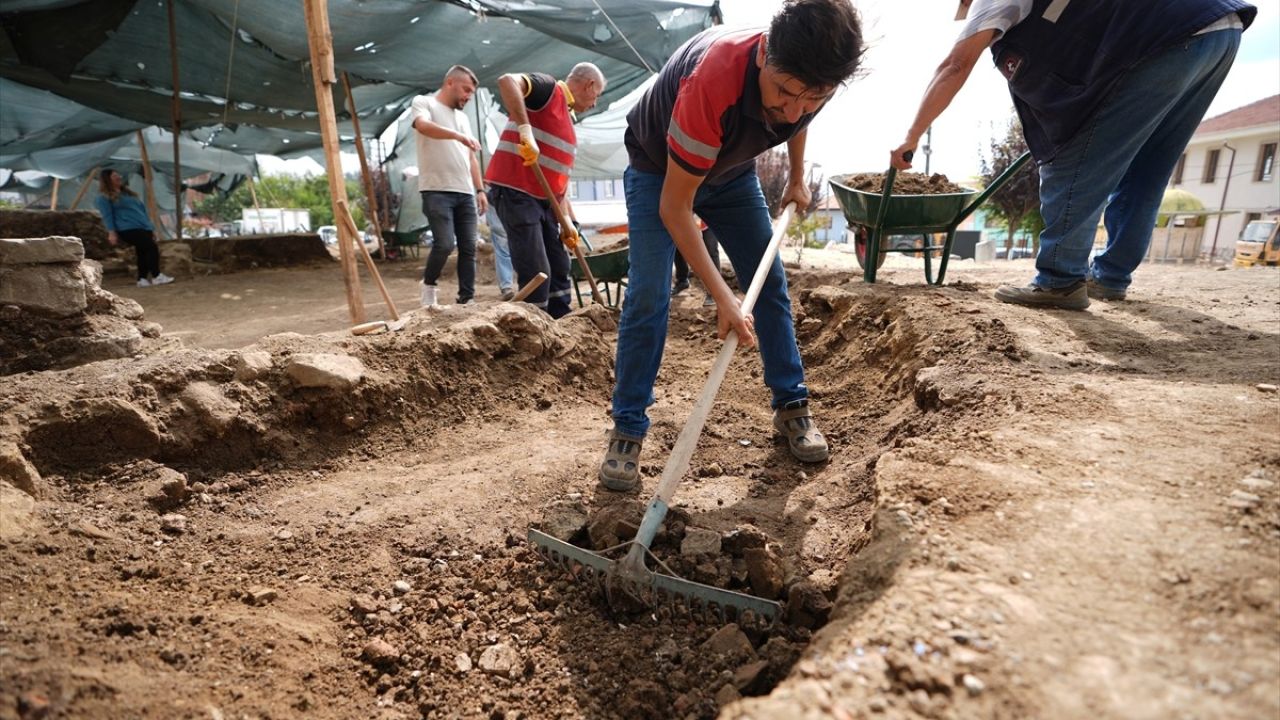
1108	92
126	219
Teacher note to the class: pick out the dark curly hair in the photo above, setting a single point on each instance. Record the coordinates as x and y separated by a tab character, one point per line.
819	42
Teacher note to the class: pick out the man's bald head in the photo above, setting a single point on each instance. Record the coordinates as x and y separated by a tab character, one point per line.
586	82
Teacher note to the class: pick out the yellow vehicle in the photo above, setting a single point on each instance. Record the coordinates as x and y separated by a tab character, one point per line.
1259	244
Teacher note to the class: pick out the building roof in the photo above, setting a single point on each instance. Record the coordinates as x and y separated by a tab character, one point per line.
1262	112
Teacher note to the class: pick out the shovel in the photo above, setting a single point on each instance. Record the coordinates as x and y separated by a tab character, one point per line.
630	578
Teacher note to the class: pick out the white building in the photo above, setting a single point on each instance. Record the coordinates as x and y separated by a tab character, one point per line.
1230	165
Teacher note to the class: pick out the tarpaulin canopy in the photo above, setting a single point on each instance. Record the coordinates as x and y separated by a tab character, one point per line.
244	68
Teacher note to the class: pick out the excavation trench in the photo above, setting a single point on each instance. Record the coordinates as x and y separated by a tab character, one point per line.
337	525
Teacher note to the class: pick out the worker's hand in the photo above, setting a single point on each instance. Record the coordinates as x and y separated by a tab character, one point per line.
569	236
482	202
729	317
528	146
900	157
472	144
797	192
112	238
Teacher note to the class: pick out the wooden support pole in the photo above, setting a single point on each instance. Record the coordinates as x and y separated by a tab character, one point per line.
320	40
254	194
53	200
344	216
149	193
177	122
84	187
364	166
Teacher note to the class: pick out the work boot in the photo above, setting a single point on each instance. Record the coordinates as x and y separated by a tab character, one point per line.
1071	297
620	470
679	287
508	294
1098	291
795	423
708	301
428	295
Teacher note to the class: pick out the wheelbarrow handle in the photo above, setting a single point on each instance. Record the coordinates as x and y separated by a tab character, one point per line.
994	187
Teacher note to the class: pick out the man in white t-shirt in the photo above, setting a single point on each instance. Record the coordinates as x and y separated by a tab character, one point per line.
1108	93
449	179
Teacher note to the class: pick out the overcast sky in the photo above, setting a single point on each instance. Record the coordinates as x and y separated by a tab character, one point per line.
906	39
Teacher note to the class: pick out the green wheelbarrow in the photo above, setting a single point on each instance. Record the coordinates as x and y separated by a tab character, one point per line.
873	216
607	267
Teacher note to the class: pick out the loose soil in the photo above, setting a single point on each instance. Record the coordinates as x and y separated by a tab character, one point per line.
905	183
1026	513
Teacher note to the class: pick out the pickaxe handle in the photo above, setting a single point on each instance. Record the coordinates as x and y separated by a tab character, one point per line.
564	222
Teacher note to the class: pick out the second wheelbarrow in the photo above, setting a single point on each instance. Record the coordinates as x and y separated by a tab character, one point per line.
873	216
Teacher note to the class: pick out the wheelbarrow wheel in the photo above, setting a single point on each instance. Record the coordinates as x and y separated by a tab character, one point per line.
861	239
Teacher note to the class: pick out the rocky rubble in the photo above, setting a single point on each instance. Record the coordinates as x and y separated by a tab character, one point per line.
54	313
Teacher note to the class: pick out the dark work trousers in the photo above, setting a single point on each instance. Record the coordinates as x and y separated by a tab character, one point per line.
533	235
453	224
713	249
144	244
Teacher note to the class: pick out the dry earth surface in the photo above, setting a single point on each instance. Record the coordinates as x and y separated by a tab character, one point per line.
1025	514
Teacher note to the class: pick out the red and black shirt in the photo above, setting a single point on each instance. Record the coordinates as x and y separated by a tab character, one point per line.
705	111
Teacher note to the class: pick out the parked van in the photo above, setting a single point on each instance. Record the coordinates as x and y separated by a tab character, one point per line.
1259	244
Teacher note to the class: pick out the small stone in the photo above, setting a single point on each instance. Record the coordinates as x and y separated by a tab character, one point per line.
33	706
1257	483
1266	387
252	365
745	677
1242	500
731	641
284	535
364	605
501	660
173	523
765	572
713	470
381	653
166	490
727	694
563	520
806	606
739	540
261	595
877	704
401	587
462	662
973	684
326	370
700	541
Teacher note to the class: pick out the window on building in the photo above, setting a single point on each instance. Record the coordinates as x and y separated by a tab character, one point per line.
1177	171
1266	163
1211	166
573	190
608	188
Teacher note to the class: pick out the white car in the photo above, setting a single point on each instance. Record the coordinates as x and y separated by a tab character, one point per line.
329	236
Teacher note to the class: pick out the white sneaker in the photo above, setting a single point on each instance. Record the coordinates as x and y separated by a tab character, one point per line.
428	295
161	279
143	282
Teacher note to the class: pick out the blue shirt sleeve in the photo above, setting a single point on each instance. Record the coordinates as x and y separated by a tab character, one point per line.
105	210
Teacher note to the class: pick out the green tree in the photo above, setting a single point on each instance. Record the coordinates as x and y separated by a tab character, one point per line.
1018	202
284	191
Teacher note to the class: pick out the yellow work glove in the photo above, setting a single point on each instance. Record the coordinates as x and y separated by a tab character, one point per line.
528	146
569	236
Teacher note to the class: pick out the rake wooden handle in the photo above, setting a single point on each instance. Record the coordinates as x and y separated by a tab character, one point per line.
564	222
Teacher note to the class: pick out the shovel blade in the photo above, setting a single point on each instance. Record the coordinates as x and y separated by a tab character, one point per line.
669	595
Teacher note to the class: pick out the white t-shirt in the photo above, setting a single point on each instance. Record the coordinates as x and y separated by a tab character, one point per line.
443	165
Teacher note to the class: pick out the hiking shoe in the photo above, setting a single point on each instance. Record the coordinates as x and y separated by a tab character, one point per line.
708	301
143	282
161	279
1071	297
1098	291
508	294
795	423
620	470
428	295
679	287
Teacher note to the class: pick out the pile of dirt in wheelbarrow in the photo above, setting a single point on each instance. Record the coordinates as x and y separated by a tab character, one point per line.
906	183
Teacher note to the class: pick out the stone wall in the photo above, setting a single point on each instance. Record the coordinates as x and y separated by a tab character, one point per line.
84	224
54	313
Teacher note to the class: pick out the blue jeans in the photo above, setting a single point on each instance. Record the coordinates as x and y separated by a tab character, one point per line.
501	250
738	216
1121	161
453	223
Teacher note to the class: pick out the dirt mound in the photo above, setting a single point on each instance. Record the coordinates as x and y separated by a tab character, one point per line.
228	254
906	183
